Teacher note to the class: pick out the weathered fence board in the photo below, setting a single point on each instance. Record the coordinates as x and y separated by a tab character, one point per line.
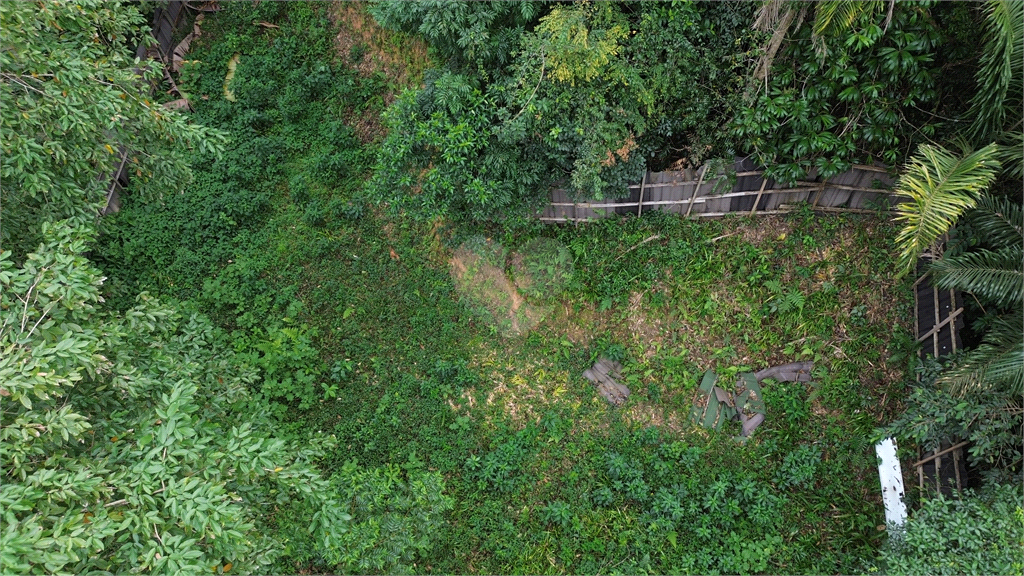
700	193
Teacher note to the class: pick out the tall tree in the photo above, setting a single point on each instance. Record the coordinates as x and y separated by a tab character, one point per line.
75	106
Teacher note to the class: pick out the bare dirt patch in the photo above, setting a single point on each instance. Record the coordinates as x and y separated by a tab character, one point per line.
370	50
398	57
492	294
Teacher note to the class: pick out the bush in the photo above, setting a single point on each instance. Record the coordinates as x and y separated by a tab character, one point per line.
982	533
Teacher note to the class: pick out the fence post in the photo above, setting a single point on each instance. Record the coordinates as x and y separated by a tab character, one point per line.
821	190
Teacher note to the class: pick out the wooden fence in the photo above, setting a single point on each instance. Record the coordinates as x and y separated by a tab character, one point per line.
706	192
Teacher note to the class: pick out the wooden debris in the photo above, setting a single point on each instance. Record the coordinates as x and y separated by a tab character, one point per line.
794	372
604	374
176	104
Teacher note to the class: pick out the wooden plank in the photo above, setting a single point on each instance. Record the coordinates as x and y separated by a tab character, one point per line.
838	210
850	188
870	168
938	327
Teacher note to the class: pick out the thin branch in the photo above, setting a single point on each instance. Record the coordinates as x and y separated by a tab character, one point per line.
28	296
23	84
641	243
543	62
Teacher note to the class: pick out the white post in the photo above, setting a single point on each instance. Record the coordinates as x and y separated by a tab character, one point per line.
891	477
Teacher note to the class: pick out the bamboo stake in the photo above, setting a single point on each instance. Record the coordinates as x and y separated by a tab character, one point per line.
924	460
821	190
697	188
640	204
935	334
764	182
956	468
938	327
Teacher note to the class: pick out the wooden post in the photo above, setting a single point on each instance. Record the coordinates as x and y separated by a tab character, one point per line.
952	324
764	182
956	468
700	181
917	313
640	204
935	336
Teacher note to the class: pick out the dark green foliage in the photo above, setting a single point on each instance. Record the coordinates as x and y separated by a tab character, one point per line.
980	533
75	106
466	33
542	475
858	102
985	418
585	100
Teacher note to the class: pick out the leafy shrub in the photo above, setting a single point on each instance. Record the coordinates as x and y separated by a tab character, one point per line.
291	367
130	440
395	516
827	113
799	467
558	513
987	418
980	533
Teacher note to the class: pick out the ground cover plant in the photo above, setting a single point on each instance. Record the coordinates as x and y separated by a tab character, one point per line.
458	441
360	331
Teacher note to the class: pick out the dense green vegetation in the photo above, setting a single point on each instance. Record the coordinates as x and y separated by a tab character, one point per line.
332	379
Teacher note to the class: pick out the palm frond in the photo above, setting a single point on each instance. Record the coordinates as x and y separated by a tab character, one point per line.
832	17
996	275
998	363
999	77
940	187
998	221
777	17
1011	152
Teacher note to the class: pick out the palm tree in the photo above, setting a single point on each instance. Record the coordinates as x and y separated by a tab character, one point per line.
942	187
995	275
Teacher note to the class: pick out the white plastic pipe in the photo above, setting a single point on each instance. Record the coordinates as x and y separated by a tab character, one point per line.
891	477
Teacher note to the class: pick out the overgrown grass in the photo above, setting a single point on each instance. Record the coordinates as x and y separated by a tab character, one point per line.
547	477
